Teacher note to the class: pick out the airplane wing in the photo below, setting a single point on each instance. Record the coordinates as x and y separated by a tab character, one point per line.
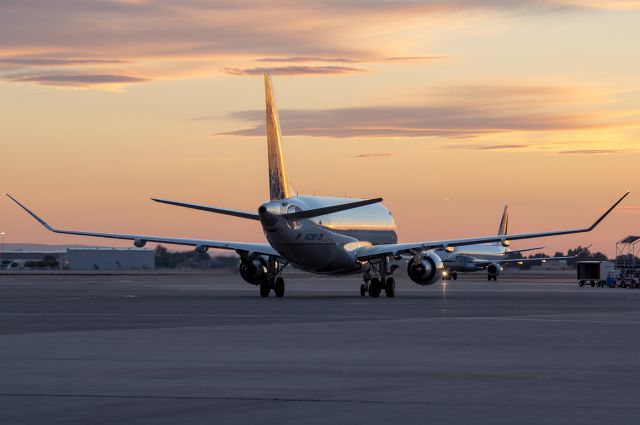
376	251
140	240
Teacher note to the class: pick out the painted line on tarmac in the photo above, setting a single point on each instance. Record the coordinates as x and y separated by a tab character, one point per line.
525	319
214	398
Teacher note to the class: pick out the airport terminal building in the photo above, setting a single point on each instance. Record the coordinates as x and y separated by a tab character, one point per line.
108	259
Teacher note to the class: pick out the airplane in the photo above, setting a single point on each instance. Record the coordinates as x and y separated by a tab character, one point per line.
323	235
488	256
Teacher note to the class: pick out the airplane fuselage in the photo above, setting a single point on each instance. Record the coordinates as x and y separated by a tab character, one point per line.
325	244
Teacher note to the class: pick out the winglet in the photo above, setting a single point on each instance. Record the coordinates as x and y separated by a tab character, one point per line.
32	214
603	216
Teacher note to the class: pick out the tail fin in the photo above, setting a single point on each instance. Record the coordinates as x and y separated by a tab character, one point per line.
504	223
278	186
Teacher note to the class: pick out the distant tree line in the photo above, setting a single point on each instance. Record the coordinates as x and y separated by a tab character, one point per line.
192	259
581	253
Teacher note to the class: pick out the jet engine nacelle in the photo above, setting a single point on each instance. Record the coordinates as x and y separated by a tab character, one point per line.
139	243
252	271
202	248
494	269
427	270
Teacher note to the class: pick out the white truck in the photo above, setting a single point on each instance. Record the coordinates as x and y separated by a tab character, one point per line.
594	272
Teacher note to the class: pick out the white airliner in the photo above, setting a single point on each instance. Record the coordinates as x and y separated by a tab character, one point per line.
487	256
325	235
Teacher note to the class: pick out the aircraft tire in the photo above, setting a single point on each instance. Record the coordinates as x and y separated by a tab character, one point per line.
278	287
455	276
363	290
390	288
265	288
375	287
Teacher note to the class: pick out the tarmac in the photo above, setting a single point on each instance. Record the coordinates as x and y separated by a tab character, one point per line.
200	348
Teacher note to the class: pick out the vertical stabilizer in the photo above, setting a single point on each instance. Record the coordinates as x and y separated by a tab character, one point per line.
504	223
278	186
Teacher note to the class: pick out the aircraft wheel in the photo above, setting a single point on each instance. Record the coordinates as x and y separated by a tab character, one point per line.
592	283
265	288
390	288
455	276
489	278
363	290
581	283
375	287
278	287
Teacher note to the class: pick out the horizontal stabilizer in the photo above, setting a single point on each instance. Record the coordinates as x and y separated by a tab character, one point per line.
235	213
329	210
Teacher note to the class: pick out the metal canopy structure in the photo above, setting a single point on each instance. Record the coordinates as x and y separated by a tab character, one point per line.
627	251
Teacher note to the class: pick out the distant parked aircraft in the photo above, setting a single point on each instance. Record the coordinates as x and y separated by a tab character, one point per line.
486	256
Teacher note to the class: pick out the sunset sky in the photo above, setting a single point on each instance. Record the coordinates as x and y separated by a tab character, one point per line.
446	109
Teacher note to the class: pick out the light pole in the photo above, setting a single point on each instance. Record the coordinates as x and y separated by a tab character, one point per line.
2	264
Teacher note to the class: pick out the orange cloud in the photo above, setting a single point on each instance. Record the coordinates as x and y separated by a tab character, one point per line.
294	70
139	38
78	80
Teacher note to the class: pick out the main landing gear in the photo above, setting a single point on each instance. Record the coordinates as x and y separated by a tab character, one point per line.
266	285
375	285
272	280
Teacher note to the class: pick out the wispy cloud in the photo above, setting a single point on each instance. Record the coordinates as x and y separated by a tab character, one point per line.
591	152
480	147
505	117
78	79
372	155
416	121
45	61
307	59
142	37
629	209
303	59
294	70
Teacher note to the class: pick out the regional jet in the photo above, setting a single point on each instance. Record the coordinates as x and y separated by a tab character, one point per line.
334	236
488	256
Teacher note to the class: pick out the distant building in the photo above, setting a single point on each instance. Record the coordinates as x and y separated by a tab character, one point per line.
17	260
110	259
